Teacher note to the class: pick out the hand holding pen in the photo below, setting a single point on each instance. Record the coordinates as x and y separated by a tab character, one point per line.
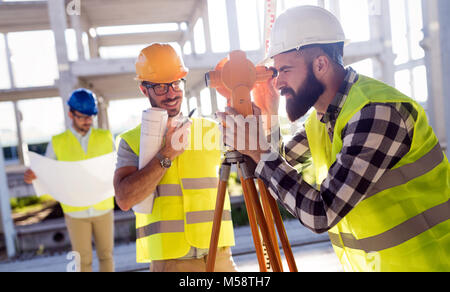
177	137
187	119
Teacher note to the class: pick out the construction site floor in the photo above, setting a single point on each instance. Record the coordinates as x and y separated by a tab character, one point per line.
312	253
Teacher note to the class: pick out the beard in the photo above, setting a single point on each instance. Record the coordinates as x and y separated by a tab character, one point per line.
82	128
170	112
305	98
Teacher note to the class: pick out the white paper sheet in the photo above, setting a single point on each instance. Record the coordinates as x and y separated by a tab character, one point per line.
78	184
153	128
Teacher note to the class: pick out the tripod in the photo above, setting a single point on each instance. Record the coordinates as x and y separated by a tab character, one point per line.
264	219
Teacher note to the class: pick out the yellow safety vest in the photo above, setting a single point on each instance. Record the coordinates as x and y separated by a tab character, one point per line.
185	199
68	148
403	223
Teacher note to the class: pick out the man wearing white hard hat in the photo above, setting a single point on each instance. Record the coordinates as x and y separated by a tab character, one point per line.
380	182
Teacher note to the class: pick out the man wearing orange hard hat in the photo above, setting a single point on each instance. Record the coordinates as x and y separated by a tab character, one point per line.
175	236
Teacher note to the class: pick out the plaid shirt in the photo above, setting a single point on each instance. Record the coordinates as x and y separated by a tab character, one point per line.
374	140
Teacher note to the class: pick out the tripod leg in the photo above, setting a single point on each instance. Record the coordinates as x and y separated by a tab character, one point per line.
269	219
250	185
221	191
253	226
280	227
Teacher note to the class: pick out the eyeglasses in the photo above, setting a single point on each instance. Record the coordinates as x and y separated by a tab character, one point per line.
82	117
163	88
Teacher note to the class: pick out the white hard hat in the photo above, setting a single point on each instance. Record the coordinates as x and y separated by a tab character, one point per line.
304	25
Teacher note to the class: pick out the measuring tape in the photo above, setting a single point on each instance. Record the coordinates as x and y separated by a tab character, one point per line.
270	14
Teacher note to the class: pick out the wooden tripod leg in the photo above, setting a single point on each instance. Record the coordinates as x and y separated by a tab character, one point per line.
254	227
280	227
250	185
269	218
221	191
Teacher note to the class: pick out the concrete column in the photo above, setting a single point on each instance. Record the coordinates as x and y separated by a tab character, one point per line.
188	97
8	61
20	143
233	28
17	113
76	24
214	106
206	26
67	82
199	103
103	120
93	47
6	222
380	29
436	42
335	8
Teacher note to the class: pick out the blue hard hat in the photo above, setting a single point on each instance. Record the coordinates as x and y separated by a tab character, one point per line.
83	100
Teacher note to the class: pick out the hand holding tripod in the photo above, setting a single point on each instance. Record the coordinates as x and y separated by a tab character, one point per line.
263	218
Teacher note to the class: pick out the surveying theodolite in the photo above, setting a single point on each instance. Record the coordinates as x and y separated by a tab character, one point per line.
236	76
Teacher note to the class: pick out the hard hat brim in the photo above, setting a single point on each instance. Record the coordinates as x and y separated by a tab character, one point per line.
268	60
163	80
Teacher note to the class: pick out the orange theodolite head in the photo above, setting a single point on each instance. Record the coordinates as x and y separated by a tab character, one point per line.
235	77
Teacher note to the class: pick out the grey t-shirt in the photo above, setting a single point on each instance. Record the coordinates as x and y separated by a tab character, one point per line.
126	156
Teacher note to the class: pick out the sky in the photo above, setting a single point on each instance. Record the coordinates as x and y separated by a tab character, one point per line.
34	60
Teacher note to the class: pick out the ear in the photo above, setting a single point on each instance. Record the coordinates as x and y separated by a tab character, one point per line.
71	115
143	90
321	66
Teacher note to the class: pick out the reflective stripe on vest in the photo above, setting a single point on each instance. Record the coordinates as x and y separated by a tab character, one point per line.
405	173
168	191
397	235
160	227
403	221
188	184
171	226
200	183
205	216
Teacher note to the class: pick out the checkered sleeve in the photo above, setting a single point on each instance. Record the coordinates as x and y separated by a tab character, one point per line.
296	151
374	140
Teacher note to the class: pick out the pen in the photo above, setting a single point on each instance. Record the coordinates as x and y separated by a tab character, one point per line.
191	113
187	119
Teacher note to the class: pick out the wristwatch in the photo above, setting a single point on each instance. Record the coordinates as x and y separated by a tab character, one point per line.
164	161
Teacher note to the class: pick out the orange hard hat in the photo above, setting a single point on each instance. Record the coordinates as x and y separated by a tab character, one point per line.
159	63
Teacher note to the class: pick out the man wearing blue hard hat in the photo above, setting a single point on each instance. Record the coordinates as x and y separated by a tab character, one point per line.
81	141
